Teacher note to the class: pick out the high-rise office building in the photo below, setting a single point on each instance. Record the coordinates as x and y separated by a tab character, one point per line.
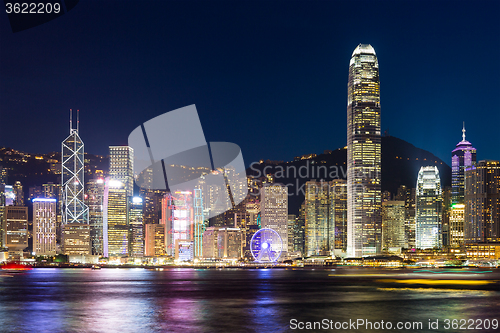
456	225
338	214
154	240
15	226
463	156
428	208
482	203
121	166
319	233
210	247
178	217
74	209
230	243
136	228
364	224
75	233
407	195
115	219
94	199
44	226
274	211
393	225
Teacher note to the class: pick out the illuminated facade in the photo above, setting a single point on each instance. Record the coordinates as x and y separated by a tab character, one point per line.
76	238
463	156
136	228
393	225
44	226
154	240
408	196
274	211
178	216
456	225
74	209
121	166
318	232
15	226
482	203
94	199
19	194
210	249
428	208
364	224
230	243
338	214
115	228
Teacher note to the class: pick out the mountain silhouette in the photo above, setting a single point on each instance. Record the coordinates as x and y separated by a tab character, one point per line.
401	162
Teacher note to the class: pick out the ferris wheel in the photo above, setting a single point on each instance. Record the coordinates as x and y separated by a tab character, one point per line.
266	245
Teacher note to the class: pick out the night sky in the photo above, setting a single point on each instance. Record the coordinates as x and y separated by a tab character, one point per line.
268	76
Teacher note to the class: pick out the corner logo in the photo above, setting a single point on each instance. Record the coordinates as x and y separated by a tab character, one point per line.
171	153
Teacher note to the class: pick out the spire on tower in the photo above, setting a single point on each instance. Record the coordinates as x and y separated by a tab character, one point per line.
463	132
78	120
70	120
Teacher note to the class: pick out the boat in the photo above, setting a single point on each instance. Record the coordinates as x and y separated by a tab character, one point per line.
15	266
96	267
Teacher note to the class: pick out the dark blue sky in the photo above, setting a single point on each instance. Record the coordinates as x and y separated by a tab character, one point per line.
270	76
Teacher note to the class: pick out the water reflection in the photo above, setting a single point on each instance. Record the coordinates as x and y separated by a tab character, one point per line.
188	300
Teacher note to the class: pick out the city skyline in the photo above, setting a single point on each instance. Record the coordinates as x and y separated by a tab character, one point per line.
317	86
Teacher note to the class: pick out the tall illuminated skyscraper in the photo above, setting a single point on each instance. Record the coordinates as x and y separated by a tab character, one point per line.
121	166
318	232
364	224
274	211
482	203
463	156
428	208
44	226
115	219
94	198
136	228
74	209
75	228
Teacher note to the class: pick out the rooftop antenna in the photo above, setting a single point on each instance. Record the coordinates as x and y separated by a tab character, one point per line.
70	120
463	132
78	121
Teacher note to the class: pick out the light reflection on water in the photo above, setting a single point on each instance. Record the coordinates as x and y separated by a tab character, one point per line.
232	300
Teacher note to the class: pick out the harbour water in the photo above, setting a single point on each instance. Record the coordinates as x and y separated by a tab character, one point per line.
229	300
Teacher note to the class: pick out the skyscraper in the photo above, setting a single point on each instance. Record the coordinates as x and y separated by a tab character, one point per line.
393	225
75	228
74	209
94	198
482	203
428	208
318	232
338	214
115	219
15	226
178	217
364	224
44	226
121	166
463	156
136	228
274	211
